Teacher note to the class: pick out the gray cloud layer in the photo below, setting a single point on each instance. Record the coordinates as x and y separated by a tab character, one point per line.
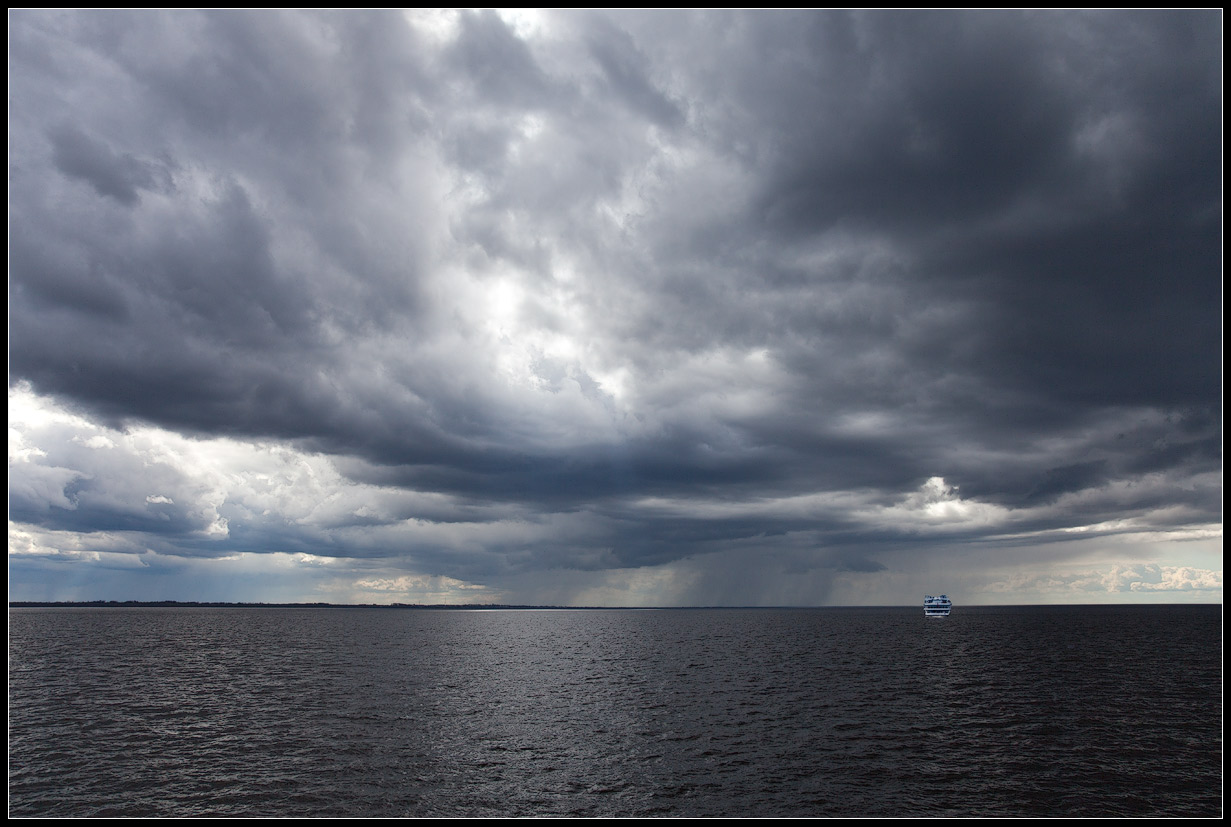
633	276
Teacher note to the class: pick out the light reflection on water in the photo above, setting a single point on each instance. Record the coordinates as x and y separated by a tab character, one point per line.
831	712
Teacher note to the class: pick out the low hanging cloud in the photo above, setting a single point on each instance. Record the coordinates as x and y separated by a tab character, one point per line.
563	303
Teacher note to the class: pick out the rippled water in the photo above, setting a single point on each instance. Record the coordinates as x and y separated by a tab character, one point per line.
1044	711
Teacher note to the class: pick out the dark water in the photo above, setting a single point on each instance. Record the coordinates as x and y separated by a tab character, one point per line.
1033	711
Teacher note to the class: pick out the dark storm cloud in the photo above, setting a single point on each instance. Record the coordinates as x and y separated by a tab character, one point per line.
623	66
791	254
497	63
80	156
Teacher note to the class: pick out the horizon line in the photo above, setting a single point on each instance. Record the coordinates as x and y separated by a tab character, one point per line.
34	604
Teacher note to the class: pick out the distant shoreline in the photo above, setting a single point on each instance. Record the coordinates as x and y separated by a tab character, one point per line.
193	604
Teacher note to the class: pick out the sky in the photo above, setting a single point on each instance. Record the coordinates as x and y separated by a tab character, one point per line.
615	308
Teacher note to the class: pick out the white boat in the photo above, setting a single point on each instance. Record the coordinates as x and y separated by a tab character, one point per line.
936	606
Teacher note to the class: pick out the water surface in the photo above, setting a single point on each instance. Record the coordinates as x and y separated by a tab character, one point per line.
1008	711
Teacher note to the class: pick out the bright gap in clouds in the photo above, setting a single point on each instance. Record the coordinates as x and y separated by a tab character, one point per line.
442	26
526	23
